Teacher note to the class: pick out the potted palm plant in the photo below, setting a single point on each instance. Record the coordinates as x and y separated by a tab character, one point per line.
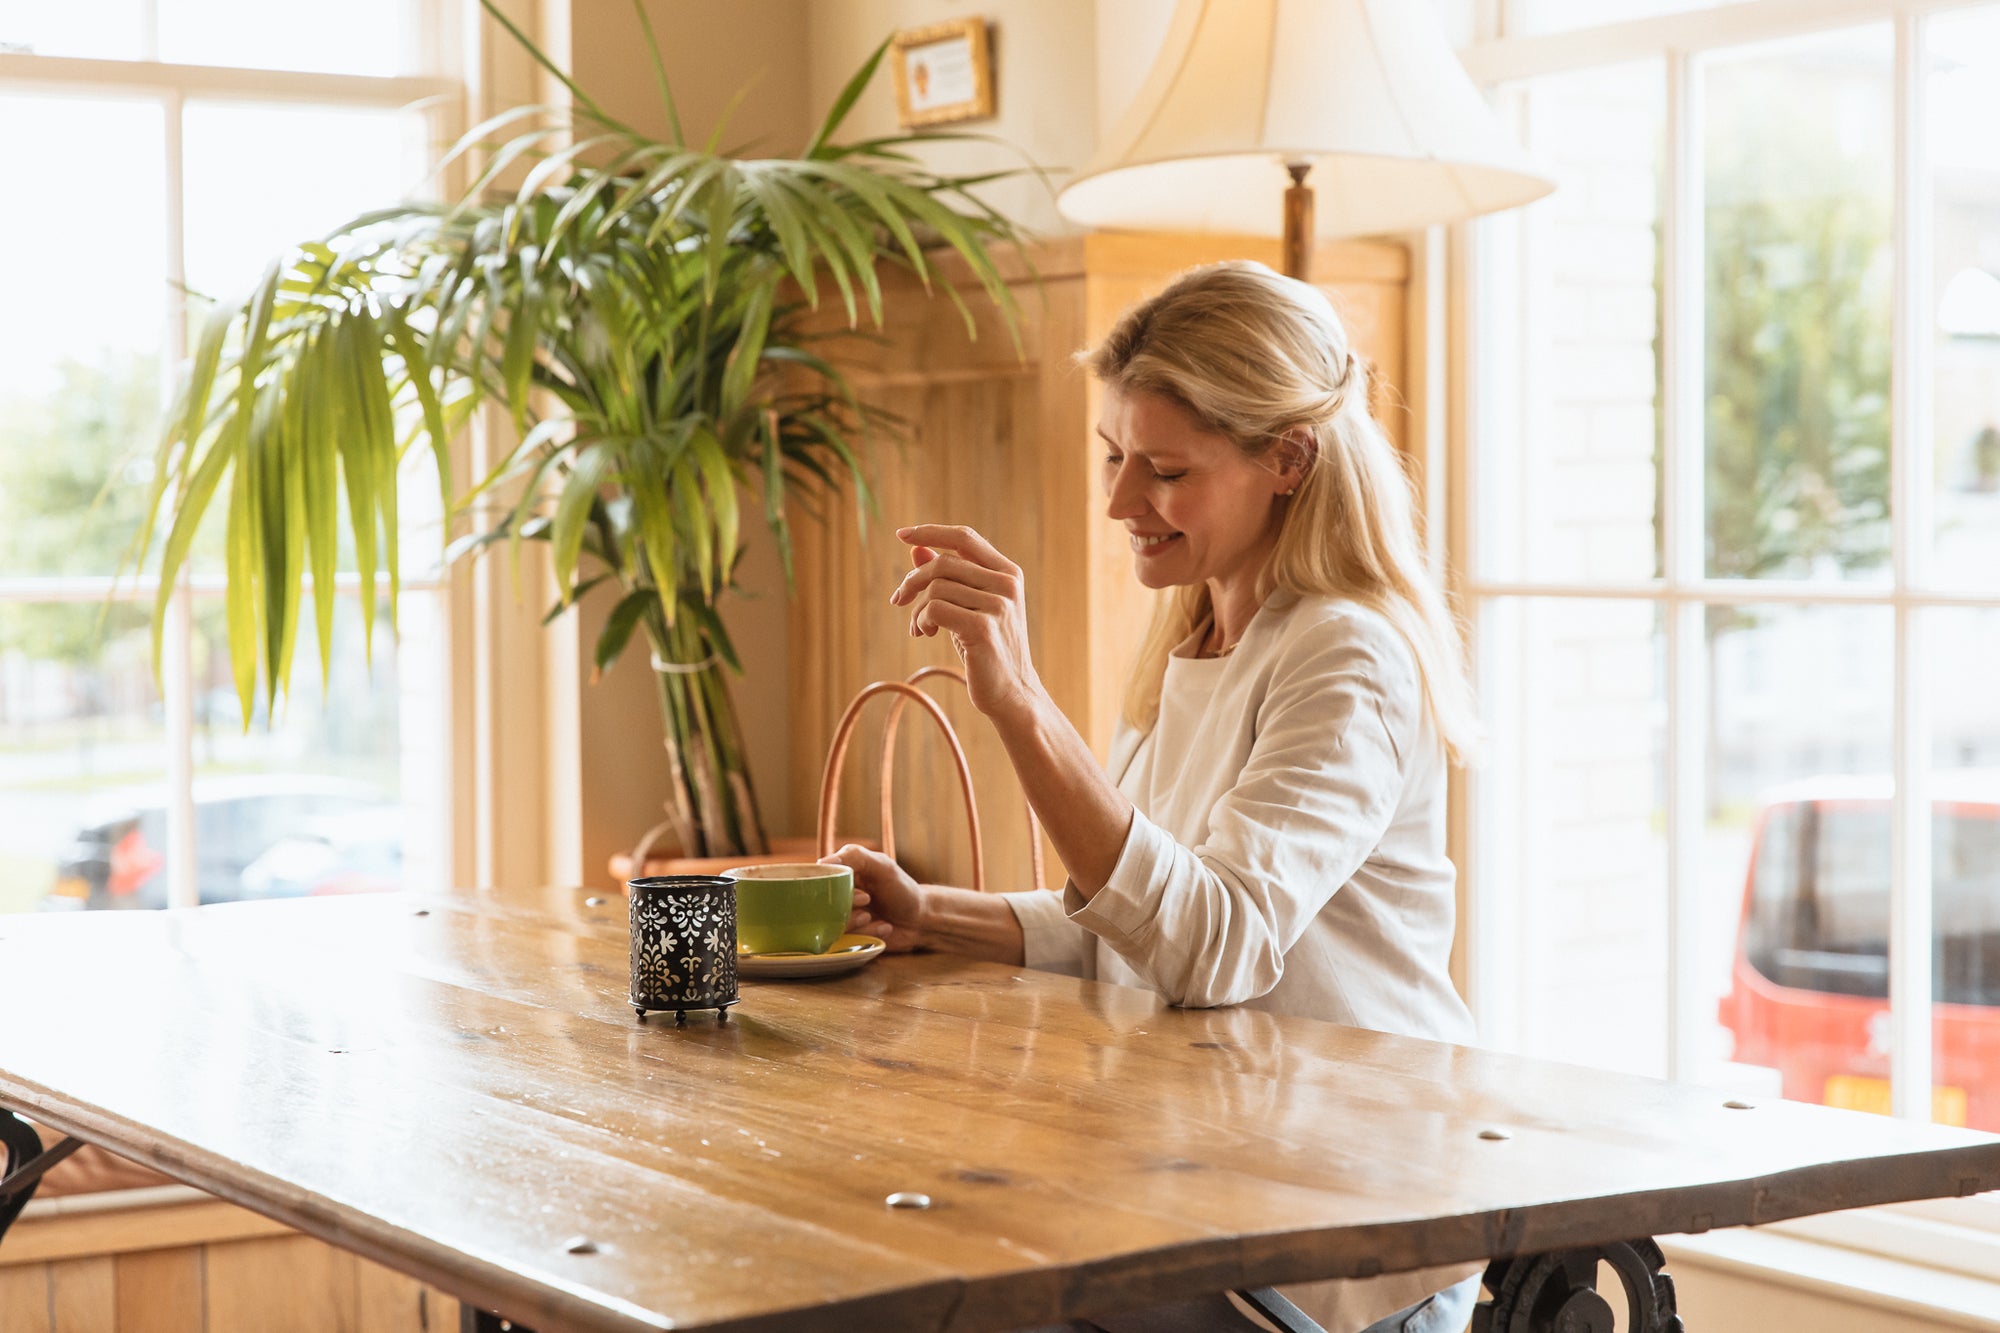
640	308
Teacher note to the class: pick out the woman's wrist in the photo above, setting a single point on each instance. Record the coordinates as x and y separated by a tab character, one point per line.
1023	711
977	925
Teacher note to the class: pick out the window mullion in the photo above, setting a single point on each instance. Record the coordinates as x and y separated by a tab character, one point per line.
1493	320
1681	514
1910	926
177	690
1497	943
177	639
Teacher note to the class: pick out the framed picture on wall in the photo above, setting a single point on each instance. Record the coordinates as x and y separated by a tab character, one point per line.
944	72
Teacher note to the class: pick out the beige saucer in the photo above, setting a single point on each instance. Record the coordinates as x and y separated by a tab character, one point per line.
846	954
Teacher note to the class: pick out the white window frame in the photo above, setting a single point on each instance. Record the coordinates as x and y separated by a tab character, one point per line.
1489	411
170	86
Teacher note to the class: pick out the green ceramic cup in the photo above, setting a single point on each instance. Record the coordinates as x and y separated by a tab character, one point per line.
793	907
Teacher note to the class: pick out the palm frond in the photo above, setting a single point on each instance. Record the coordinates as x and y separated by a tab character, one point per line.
643	311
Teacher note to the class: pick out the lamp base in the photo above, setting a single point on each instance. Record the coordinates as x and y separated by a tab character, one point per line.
1298	223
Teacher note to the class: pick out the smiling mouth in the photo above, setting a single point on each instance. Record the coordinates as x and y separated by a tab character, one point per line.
1152	541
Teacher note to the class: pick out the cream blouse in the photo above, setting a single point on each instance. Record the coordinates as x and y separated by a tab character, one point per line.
1287	853
1287	850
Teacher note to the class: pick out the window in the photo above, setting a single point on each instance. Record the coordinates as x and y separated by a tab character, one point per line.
161	166
1732	552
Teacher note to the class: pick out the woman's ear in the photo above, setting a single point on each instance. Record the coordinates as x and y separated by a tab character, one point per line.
1294	458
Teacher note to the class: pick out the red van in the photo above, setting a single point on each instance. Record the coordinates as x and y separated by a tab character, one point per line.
1810	985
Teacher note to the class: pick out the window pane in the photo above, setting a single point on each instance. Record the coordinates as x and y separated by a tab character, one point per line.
87	295
1795	873
1964	107
1798	311
344	793
83	759
1575	777
1582	478
262	178
1965	863
367	36
98	29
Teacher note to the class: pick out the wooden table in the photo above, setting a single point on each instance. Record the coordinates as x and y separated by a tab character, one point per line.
457	1088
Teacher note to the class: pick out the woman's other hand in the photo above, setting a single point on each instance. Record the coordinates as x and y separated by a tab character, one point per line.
887	902
961	584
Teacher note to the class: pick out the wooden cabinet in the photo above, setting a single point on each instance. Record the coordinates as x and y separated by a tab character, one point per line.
1005	443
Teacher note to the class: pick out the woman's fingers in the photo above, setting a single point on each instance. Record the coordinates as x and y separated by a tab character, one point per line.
857	858
973	608
965	541
954	569
959	620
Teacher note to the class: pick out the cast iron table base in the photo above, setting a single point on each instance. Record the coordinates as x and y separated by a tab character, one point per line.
26	1161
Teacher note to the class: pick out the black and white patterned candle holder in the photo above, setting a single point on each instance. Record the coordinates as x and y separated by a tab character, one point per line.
683	944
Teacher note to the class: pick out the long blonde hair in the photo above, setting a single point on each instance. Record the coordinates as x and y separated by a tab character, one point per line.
1258	357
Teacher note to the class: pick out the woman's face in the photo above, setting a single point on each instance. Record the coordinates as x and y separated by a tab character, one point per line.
1197	510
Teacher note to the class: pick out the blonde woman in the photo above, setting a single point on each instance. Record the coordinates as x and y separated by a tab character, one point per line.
1271	828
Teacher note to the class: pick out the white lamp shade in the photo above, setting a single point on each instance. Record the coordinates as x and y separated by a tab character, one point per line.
1367	92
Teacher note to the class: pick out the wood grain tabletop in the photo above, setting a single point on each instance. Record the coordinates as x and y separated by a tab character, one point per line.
455	1086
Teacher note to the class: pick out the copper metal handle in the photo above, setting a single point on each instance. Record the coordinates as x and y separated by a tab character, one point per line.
836	757
1036	868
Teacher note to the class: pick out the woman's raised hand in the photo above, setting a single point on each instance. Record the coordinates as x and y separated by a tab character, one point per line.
962	585
887	902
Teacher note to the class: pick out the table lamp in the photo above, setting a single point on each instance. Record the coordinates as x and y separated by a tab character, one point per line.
1360	102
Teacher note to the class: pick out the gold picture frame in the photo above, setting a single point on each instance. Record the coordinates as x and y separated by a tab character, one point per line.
943	72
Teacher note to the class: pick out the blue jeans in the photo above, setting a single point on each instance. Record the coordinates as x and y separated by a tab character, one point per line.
1447	1312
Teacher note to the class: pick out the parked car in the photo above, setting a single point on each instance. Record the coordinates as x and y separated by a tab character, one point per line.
354	851
118	859
1810	977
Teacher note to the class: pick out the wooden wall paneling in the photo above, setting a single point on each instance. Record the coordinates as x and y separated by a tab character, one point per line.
1066	473
83	1296
962	463
121	1230
1376	316
1121	609
1067	470
809	624
150	1270
979	439
160	1291
388	1302
24	1298
288	1284
1368	281
969	412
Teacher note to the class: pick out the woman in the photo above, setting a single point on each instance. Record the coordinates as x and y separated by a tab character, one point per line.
1271	829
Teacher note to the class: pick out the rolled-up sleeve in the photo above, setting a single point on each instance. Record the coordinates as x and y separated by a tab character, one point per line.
1050	940
1210	924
